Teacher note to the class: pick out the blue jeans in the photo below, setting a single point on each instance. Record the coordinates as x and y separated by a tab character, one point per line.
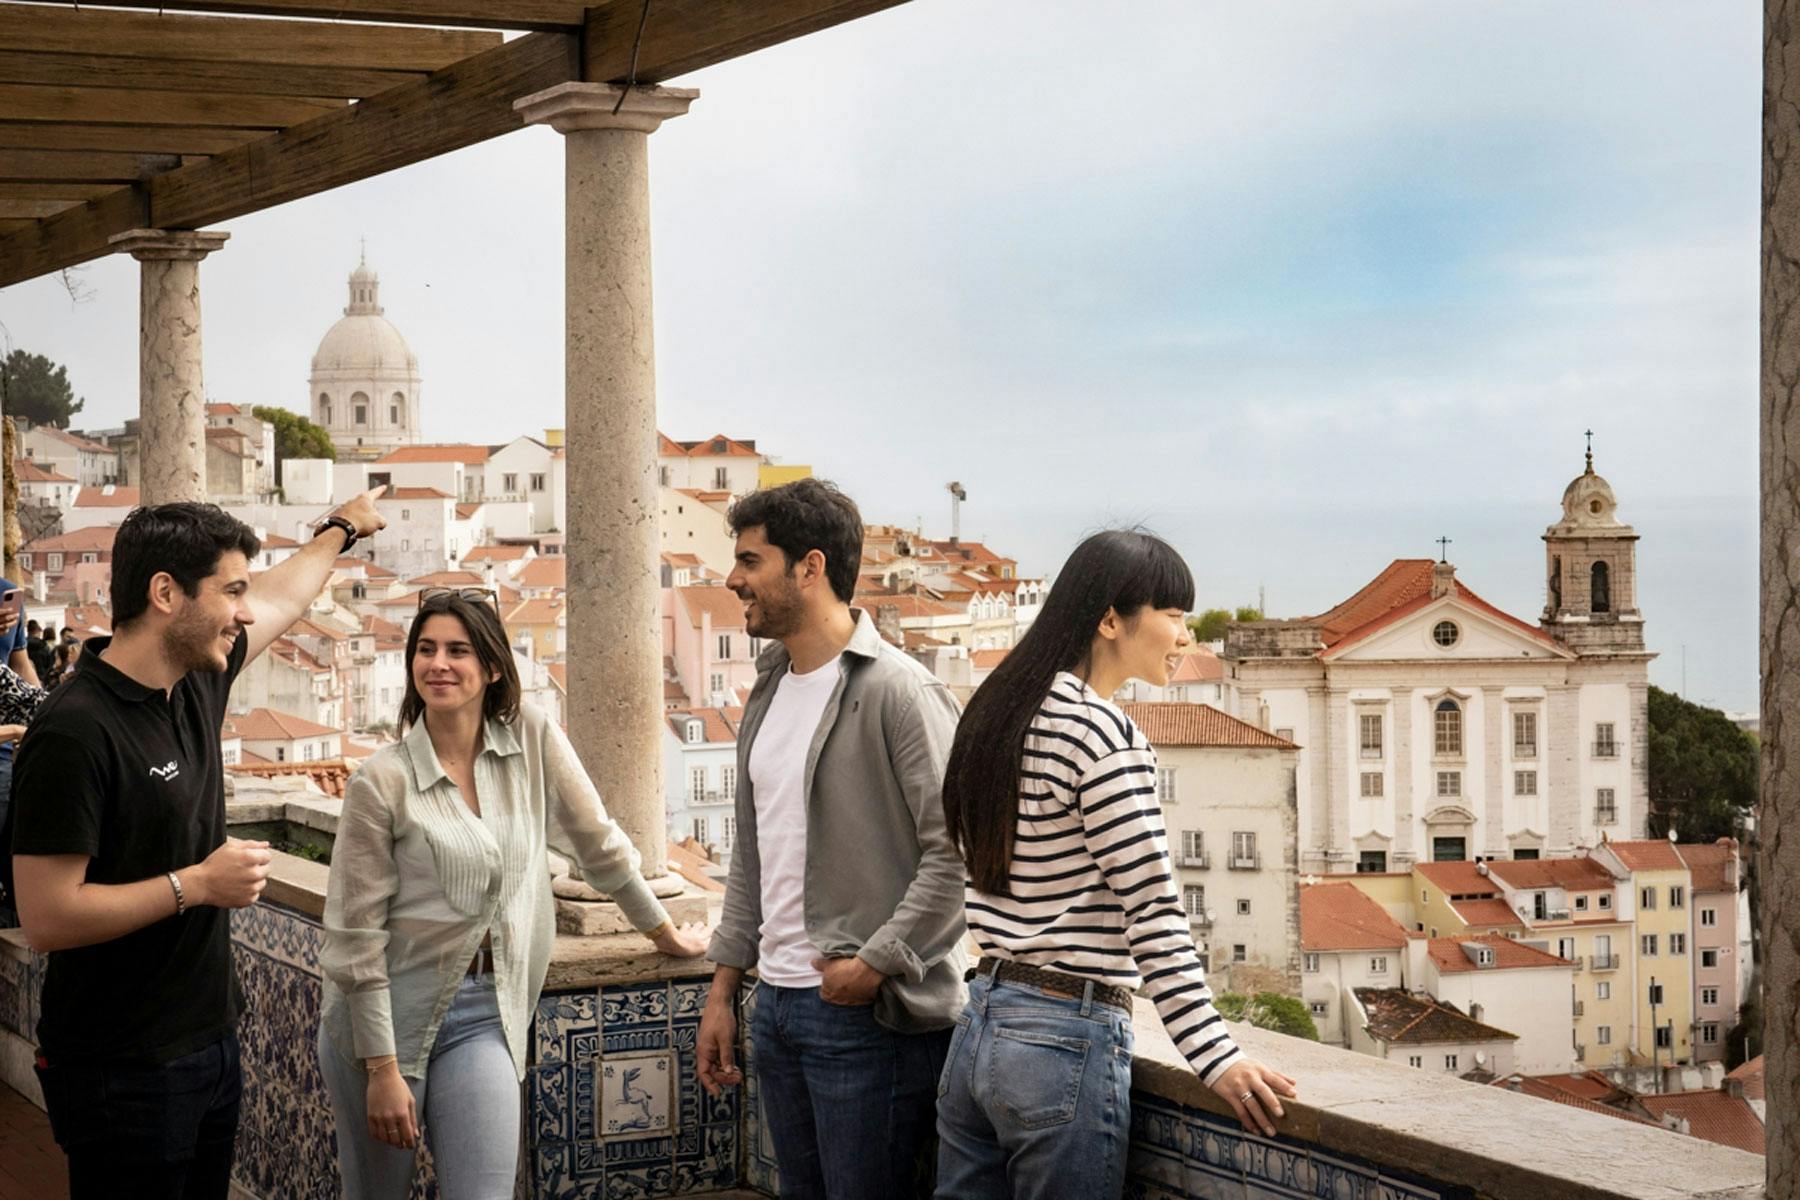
1035	1100
848	1101
158	1130
468	1105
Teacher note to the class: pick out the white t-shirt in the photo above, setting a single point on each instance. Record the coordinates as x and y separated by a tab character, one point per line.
778	776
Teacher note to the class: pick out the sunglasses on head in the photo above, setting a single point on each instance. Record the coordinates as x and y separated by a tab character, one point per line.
474	595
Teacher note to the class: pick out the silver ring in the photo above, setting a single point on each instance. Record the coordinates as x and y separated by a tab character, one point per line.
1246	1097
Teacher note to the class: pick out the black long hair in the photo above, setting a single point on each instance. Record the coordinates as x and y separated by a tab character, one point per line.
1123	570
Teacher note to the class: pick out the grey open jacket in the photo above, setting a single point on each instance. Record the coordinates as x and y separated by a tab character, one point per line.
882	879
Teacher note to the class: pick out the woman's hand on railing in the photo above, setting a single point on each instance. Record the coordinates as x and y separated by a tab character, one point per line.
1254	1093
681	941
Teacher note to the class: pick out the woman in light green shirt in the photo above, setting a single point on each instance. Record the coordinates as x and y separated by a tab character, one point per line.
439	918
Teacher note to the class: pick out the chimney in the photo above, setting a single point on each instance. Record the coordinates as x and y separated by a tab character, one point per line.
1733	1087
1443	579
887	623
40	585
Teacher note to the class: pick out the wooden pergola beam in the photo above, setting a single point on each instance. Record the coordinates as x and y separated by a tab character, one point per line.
685	35
43	248
55	191
180	75
481	14
131	139
123	106
58	30
67	166
33	210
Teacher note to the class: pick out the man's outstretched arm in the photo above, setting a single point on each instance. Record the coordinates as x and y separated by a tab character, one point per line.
281	595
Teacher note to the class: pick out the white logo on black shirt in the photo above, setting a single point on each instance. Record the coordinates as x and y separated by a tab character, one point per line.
166	773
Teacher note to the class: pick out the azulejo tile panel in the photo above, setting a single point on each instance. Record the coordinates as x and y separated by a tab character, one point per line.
1179	1151
596	1128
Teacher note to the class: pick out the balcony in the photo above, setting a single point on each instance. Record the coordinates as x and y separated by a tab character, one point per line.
1360	1122
1199	862
1523	750
1580	1008
1606	750
1603	962
1606	816
1199	920
712	798
1246	862
1580	1051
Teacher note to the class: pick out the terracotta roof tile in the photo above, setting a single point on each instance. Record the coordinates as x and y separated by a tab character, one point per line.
329	774
722	604
1544	1089
1650	854
551	572
30	471
1447	953
987	660
416	493
1458	878
440	453
267	725
495	554
1571	874
1199	665
1400	1017
716	723
1715	1116
535	612
1710	864
1751	1076
1171	723
1341	916
1486	913
94	537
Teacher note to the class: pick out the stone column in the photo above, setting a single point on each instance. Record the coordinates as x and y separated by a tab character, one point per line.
1778	814
615	709
171	398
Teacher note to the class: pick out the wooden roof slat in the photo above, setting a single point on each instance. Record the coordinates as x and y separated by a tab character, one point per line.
122	106
59	30
64	166
458	106
132	139
32	210
482	14
44	247
685	35
183	75
11	225
54	191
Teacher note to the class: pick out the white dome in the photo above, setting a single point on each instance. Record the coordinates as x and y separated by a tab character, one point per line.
364	343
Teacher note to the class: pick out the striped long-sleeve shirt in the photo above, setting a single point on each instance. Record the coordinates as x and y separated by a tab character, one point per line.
1091	889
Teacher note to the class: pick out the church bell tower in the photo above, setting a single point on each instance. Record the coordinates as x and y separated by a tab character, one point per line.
1591	558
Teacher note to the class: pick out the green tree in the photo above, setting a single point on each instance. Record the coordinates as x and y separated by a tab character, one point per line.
33	387
295	436
1210	625
1703	770
1269	1010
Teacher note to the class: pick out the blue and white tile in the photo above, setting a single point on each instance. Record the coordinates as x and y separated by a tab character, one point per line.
1389	1188
551	1102
558	1015
634	1005
687	998
1336	1178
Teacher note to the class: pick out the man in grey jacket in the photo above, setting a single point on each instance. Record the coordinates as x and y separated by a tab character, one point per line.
845	891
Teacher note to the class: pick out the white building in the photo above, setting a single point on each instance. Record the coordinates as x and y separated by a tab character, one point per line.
700	776
87	462
279	737
42	483
364	389
106	504
1501	982
525	469
1227	795
1438	727
1428	1035
717	464
1347	941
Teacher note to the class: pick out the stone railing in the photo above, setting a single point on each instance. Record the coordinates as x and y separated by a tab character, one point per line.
1364	1128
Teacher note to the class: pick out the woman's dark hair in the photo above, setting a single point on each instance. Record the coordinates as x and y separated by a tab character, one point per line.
803	516
1122	570
184	539
488	637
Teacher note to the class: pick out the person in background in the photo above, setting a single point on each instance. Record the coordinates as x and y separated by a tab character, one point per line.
123	869
38	649
1051	798
14	653
63	662
439	916
844	890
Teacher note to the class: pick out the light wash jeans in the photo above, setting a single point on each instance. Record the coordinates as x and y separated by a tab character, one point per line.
468	1106
1035	1098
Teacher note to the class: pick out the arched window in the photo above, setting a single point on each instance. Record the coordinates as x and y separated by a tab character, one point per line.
324	408
359	408
1448	729
397	410
1600	589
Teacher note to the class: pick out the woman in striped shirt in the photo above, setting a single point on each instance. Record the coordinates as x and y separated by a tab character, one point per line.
1050	795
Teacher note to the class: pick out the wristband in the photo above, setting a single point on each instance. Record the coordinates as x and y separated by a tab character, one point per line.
180	899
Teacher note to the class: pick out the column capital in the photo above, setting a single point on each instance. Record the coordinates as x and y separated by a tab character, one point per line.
168	245
568	107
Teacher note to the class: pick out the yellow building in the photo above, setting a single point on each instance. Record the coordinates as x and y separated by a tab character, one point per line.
770	475
1657	887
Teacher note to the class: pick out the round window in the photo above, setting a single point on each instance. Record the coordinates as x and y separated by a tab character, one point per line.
1445	633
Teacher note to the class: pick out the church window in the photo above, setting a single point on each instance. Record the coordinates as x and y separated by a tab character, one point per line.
1371	784
1524	735
1605	743
393	414
1445	633
1600	589
1524	783
362	414
397	408
1449	783
1371	735
324	409
1556	583
1448	729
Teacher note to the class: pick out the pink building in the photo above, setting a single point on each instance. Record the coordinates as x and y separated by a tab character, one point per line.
711	653
1721	941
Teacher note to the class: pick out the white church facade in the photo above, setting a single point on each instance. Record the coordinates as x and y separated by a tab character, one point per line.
365	379
1433	726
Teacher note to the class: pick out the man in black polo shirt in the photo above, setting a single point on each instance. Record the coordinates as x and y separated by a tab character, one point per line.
123	871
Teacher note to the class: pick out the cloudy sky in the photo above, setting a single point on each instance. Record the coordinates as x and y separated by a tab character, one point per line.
1301	286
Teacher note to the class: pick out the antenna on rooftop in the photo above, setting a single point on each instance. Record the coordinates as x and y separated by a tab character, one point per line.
957	495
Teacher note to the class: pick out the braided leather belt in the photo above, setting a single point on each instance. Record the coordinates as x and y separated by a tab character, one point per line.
1056	983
